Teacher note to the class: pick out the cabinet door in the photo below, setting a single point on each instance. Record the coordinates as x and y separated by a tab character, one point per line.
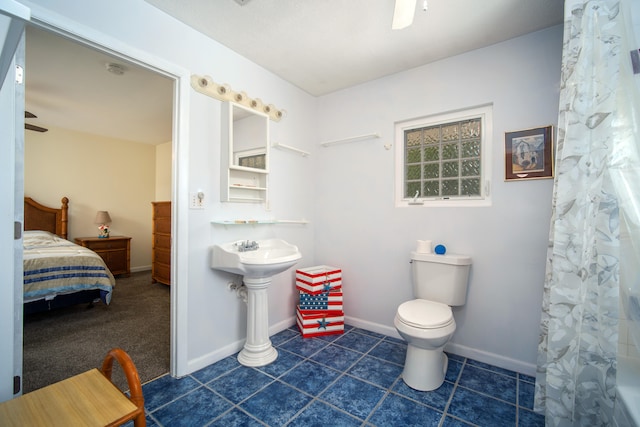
162	273
116	261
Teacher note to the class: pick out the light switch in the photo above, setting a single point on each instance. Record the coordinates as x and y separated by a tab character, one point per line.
196	200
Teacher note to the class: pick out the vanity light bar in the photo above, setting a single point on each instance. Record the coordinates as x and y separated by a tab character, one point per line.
222	92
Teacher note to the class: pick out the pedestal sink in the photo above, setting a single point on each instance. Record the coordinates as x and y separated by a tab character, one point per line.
257	262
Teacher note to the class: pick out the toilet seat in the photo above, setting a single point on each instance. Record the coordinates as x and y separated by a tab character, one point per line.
425	314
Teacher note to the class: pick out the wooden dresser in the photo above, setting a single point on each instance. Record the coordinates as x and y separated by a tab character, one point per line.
114	250
161	244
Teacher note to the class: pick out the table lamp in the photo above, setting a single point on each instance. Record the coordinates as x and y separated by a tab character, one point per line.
103	218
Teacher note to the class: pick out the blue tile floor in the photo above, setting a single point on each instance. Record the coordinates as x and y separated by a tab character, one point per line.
352	379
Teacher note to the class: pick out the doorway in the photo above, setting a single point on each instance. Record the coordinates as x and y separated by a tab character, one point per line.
87	122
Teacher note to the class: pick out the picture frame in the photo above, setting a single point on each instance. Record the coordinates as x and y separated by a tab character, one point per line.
528	154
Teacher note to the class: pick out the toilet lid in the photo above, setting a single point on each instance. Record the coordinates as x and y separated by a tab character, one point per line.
425	314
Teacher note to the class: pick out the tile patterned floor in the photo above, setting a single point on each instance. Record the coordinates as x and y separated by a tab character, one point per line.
351	379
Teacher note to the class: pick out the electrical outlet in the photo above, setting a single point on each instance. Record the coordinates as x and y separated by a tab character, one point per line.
196	200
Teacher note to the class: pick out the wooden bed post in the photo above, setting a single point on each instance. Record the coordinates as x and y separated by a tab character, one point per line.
64	217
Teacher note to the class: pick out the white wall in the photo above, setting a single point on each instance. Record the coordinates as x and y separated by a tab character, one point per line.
163	171
96	174
360	230
347	191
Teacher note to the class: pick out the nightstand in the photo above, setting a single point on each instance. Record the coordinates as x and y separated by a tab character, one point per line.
114	250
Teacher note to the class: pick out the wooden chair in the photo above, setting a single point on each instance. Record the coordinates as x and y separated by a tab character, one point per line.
133	380
87	399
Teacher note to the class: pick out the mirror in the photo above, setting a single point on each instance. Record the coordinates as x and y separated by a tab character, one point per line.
244	154
249	138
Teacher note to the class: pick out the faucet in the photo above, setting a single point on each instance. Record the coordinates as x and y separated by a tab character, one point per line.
244	246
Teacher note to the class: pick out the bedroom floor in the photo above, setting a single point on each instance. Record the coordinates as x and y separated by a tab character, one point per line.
351	379
61	343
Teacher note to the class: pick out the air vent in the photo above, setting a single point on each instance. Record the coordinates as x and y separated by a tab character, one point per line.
116	69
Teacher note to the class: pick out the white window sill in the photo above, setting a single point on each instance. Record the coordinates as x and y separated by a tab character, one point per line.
451	203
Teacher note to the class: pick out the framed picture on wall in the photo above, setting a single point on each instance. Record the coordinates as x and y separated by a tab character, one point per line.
528	154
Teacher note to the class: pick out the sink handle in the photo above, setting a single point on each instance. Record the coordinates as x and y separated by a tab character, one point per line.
247	245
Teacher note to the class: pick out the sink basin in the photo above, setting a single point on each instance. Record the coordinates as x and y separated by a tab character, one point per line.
272	257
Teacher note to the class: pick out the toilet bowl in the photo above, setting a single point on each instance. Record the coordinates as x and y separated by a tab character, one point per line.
426	323
426	326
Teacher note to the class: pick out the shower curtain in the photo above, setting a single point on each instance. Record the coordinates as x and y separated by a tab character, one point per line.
596	186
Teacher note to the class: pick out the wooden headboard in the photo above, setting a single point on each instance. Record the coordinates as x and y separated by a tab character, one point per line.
40	217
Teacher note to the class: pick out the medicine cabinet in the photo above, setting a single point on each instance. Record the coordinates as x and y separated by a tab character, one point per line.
244	156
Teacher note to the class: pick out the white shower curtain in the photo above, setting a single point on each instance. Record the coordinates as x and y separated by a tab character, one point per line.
596	161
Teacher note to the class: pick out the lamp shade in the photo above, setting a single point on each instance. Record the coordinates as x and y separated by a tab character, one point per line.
102	217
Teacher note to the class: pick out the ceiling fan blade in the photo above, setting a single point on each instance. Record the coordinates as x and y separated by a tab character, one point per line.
33	127
403	14
29	115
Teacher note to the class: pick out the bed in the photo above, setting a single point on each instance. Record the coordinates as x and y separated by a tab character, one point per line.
57	272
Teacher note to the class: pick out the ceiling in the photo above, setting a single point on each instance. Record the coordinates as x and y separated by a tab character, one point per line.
320	46
68	86
325	45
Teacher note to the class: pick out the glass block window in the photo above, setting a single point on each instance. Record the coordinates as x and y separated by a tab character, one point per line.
443	158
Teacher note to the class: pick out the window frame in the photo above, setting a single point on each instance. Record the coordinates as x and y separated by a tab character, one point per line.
485	113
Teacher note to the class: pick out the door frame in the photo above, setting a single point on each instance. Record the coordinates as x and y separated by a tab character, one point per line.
179	180
13	18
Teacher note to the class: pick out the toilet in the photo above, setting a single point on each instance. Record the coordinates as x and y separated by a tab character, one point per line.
426	323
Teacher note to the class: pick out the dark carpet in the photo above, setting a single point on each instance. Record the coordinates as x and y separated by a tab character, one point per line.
65	342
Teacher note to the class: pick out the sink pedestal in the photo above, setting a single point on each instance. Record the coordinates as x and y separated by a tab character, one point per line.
257	350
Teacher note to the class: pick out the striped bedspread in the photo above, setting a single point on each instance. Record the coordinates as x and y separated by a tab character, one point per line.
55	266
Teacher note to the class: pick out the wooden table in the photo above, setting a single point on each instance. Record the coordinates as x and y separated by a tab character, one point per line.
88	399
114	250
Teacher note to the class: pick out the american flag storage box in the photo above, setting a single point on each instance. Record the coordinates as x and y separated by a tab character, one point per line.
316	323
329	301
319	279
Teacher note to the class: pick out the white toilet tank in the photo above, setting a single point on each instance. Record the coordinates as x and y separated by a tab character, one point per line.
440	278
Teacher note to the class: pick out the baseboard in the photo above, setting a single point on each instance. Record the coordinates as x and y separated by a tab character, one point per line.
492	359
373	327
282	325
226	351
213	357
139	269
460	350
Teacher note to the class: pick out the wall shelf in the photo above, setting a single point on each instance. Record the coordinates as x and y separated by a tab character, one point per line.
246	186
290	148
350	139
